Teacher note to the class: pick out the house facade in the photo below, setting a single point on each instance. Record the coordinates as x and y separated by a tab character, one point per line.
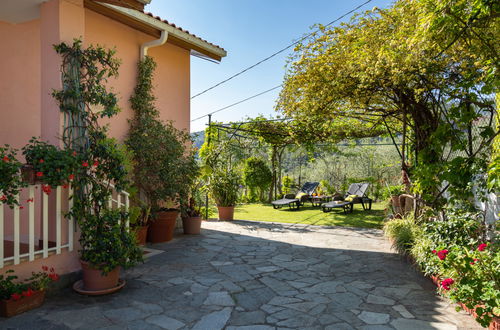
36	233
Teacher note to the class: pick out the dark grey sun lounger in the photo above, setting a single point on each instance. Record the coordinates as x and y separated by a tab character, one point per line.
294	203
358	189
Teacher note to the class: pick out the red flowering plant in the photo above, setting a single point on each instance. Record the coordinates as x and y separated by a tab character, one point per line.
472	277
52	165
12	288
10	179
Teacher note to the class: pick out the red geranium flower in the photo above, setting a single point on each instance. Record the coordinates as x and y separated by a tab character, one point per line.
28	293
29	200
15	296
5	159
46	189
45	268
74	153
39	174
85	164
445	284
434	251
21	207
96	163
41	161
442	254
71	176
52	269
54	277
3	198
482	247
65	186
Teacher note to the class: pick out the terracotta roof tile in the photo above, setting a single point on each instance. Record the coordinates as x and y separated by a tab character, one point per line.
181	29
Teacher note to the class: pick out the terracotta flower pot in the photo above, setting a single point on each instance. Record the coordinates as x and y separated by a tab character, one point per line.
141	233
163	227
93	280
191	225
226	212
28	174
13	307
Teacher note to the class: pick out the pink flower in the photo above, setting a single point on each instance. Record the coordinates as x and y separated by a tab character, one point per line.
482	247
474	262
445	284
434	251
15	296
442	254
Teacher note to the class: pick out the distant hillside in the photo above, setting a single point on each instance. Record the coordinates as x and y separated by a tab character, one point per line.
198	138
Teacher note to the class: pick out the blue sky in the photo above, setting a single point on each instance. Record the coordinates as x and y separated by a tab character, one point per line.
249	30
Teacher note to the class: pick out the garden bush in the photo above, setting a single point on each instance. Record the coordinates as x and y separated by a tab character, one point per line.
403	232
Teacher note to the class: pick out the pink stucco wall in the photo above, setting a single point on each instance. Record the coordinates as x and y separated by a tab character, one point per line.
171	77
19	82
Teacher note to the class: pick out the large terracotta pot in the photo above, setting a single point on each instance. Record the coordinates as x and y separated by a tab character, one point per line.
13	307
163	227
226	212
191	225
140	234
93	280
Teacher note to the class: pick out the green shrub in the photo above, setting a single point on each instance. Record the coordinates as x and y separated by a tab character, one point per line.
287	183
459	228
393	191
403	232
257	177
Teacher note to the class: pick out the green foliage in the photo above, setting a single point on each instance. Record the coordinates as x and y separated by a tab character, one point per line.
459	228
165	167
224	187
11	182
403	232
52	165
107	242
12	288
256	176
104	240
394	190
288	184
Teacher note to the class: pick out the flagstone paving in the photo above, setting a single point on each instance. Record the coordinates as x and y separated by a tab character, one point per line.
259	276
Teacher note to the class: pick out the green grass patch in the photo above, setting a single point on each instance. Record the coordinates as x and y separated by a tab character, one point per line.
309	215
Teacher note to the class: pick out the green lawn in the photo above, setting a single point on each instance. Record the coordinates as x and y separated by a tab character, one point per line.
313	215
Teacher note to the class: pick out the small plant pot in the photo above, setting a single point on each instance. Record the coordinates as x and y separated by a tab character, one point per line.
94	280
191	225
28	174
13	307
141	234
226	212
163	227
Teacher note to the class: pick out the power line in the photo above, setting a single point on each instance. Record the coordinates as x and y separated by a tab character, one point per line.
232	105
278	52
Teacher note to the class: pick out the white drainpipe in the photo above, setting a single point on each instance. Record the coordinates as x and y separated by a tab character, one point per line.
153	43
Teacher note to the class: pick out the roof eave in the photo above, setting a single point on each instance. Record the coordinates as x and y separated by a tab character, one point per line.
176	36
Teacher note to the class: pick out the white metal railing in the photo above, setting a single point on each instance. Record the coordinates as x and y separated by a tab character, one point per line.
39	226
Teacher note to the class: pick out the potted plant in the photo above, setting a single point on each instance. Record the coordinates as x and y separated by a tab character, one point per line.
139	221
191	213
166	164
17	297
48	164
11	182
224	186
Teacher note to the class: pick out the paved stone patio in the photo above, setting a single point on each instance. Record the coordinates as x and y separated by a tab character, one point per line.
248	275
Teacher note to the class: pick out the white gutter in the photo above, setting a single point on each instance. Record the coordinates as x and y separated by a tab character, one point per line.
153	22
153	43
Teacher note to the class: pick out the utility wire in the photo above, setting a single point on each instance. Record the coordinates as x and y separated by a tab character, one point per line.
278	52
239	102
